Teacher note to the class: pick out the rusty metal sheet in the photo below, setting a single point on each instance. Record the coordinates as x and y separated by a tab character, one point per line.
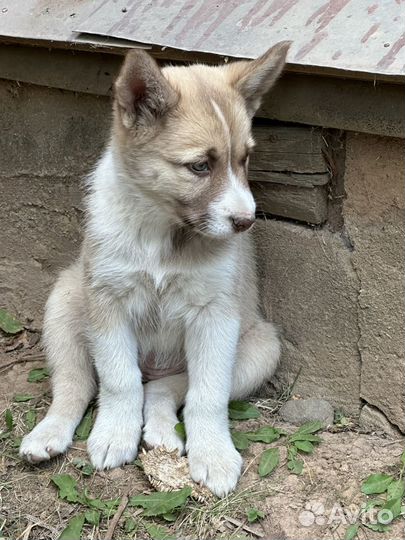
351	35
52	20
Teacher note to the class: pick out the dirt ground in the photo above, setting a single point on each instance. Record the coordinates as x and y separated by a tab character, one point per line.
320	503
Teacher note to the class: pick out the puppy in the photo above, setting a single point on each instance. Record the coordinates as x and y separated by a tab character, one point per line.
161	308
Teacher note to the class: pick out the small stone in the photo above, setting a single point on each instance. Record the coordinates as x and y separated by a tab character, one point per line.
115	474
299	411
371	419
292	480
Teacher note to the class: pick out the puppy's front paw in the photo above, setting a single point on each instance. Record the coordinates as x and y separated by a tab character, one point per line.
111	445
49	438
216	466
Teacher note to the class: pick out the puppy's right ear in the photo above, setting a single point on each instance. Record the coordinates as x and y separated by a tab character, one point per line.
142	94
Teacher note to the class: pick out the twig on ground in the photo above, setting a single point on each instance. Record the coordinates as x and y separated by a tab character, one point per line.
28	358
389	443
120	510
243	526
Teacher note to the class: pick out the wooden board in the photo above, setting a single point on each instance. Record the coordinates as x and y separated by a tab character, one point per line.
289	179
295	149
303	204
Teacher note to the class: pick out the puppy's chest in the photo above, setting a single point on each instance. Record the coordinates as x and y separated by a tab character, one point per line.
156	293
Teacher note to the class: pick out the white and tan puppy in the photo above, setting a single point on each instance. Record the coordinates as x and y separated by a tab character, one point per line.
164	291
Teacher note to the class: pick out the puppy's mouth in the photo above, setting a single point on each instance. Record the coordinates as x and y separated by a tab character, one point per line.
198	225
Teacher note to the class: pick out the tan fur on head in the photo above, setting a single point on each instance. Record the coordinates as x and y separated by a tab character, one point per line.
253	79
170	120
142	94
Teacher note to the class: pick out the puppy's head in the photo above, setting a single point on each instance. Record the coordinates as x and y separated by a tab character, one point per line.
183	135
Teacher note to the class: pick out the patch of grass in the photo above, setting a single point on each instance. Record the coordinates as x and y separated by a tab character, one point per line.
202	521
388	492
273	405
226	517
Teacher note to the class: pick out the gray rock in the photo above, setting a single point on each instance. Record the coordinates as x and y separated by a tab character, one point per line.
371	419
299	411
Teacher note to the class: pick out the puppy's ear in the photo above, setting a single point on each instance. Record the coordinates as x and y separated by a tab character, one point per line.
142	94
253	78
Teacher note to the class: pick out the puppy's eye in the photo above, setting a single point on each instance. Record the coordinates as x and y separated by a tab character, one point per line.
201	168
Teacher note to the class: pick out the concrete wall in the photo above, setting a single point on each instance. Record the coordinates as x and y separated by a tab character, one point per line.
339	296
337	291
50	139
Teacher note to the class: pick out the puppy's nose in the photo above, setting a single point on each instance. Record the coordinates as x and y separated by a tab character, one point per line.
242	223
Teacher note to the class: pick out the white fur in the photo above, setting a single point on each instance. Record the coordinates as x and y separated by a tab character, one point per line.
237	199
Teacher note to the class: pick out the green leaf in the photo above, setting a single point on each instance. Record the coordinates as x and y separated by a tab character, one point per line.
396	489
372	504
296	466
376	483
242	410
130	525
304	437
83	429
304	446
96	503
161	502
269	461
107	506
92	517
240	440
403	458
16	442
377	527
352	531
180	429
20	398
30	419
157	532
266	434
67	487
38	374
84	466
392	506
253	514
169	517
8	417
308	428
74	529
9	324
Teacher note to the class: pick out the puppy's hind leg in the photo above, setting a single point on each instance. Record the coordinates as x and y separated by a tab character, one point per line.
257	359
73	381
163	398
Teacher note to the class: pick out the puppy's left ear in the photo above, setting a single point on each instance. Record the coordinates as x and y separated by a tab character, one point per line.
142	94
254	78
